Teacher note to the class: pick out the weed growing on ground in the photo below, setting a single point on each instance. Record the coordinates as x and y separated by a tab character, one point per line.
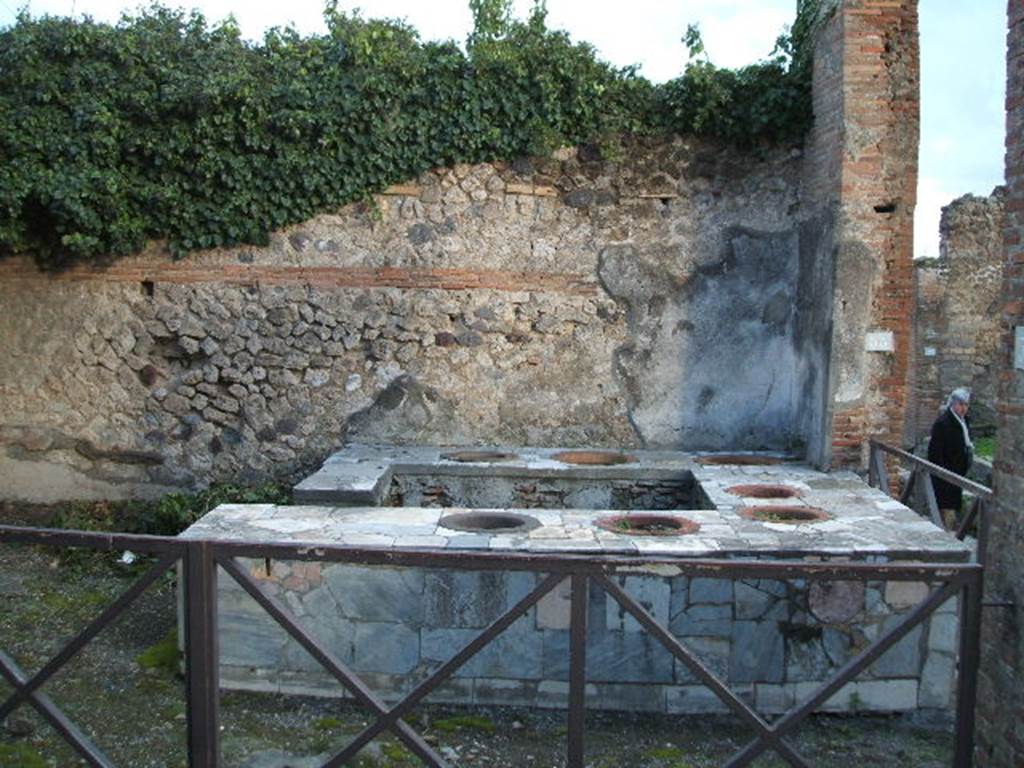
164	656
465	723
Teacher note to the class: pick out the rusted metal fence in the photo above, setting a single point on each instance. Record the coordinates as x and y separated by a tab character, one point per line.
203	560
919	485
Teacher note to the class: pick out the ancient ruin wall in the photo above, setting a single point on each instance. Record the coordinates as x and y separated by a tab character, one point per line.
685	296
957	339
652	301
1001	695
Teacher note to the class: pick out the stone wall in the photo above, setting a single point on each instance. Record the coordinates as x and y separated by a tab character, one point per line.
656	300
685	295
957	339
1001	696
772	642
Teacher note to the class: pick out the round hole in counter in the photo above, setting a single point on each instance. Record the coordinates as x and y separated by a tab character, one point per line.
489	522
648	525
482	457
593	458
791	515
764	491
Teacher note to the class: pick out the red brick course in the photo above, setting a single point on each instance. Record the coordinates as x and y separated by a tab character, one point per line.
334	277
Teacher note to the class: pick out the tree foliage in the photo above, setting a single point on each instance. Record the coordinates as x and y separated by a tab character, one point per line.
166	127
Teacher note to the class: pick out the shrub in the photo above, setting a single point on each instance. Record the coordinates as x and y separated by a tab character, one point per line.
165	127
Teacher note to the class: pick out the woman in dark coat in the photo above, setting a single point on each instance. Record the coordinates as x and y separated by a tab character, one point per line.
951	448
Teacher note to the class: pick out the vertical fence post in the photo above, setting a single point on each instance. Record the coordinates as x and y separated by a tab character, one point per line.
932	503
877	470
967	683
202	658
577	668
982	522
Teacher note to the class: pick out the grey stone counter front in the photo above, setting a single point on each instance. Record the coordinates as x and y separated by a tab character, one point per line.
773	641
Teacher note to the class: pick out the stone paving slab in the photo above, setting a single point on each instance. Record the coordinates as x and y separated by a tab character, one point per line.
862	523
360	474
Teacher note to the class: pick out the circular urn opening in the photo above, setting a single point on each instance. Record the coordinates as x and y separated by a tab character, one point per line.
764	491
784	514
742	459
483	457
648	525
593	458
490	522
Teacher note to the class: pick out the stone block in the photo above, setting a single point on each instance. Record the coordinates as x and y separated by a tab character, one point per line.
377	594
817	657
758	653
680	595
904	658
692	700
838	645
774	699
713	591
248	636
553	610
760	600
944	633
905	594
463	598
509	693
511	655
703	621
713	652
836	601
611	657
552	694
386	647
623	696
887	695
456	690
652	594
937	681
518	584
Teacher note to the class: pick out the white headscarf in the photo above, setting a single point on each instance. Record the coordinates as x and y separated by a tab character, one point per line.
960	395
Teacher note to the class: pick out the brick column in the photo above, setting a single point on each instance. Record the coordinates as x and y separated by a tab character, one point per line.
1001	696
877	195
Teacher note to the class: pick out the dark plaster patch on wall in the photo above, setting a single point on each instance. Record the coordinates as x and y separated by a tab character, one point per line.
813	331
714	359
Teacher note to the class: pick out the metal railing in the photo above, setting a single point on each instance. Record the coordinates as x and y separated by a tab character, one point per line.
202	559
919	483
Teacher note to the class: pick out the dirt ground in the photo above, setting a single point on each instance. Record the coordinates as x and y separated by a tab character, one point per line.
124	690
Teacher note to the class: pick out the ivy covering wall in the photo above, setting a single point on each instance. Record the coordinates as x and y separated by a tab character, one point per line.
165	127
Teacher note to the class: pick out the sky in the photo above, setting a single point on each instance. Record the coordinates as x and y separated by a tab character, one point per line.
963	70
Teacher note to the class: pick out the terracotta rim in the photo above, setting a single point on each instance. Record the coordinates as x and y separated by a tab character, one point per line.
489	522
483	457
788	515
765	491
648	525
593	458
742	459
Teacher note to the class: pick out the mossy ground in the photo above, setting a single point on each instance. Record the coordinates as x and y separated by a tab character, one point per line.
125	690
